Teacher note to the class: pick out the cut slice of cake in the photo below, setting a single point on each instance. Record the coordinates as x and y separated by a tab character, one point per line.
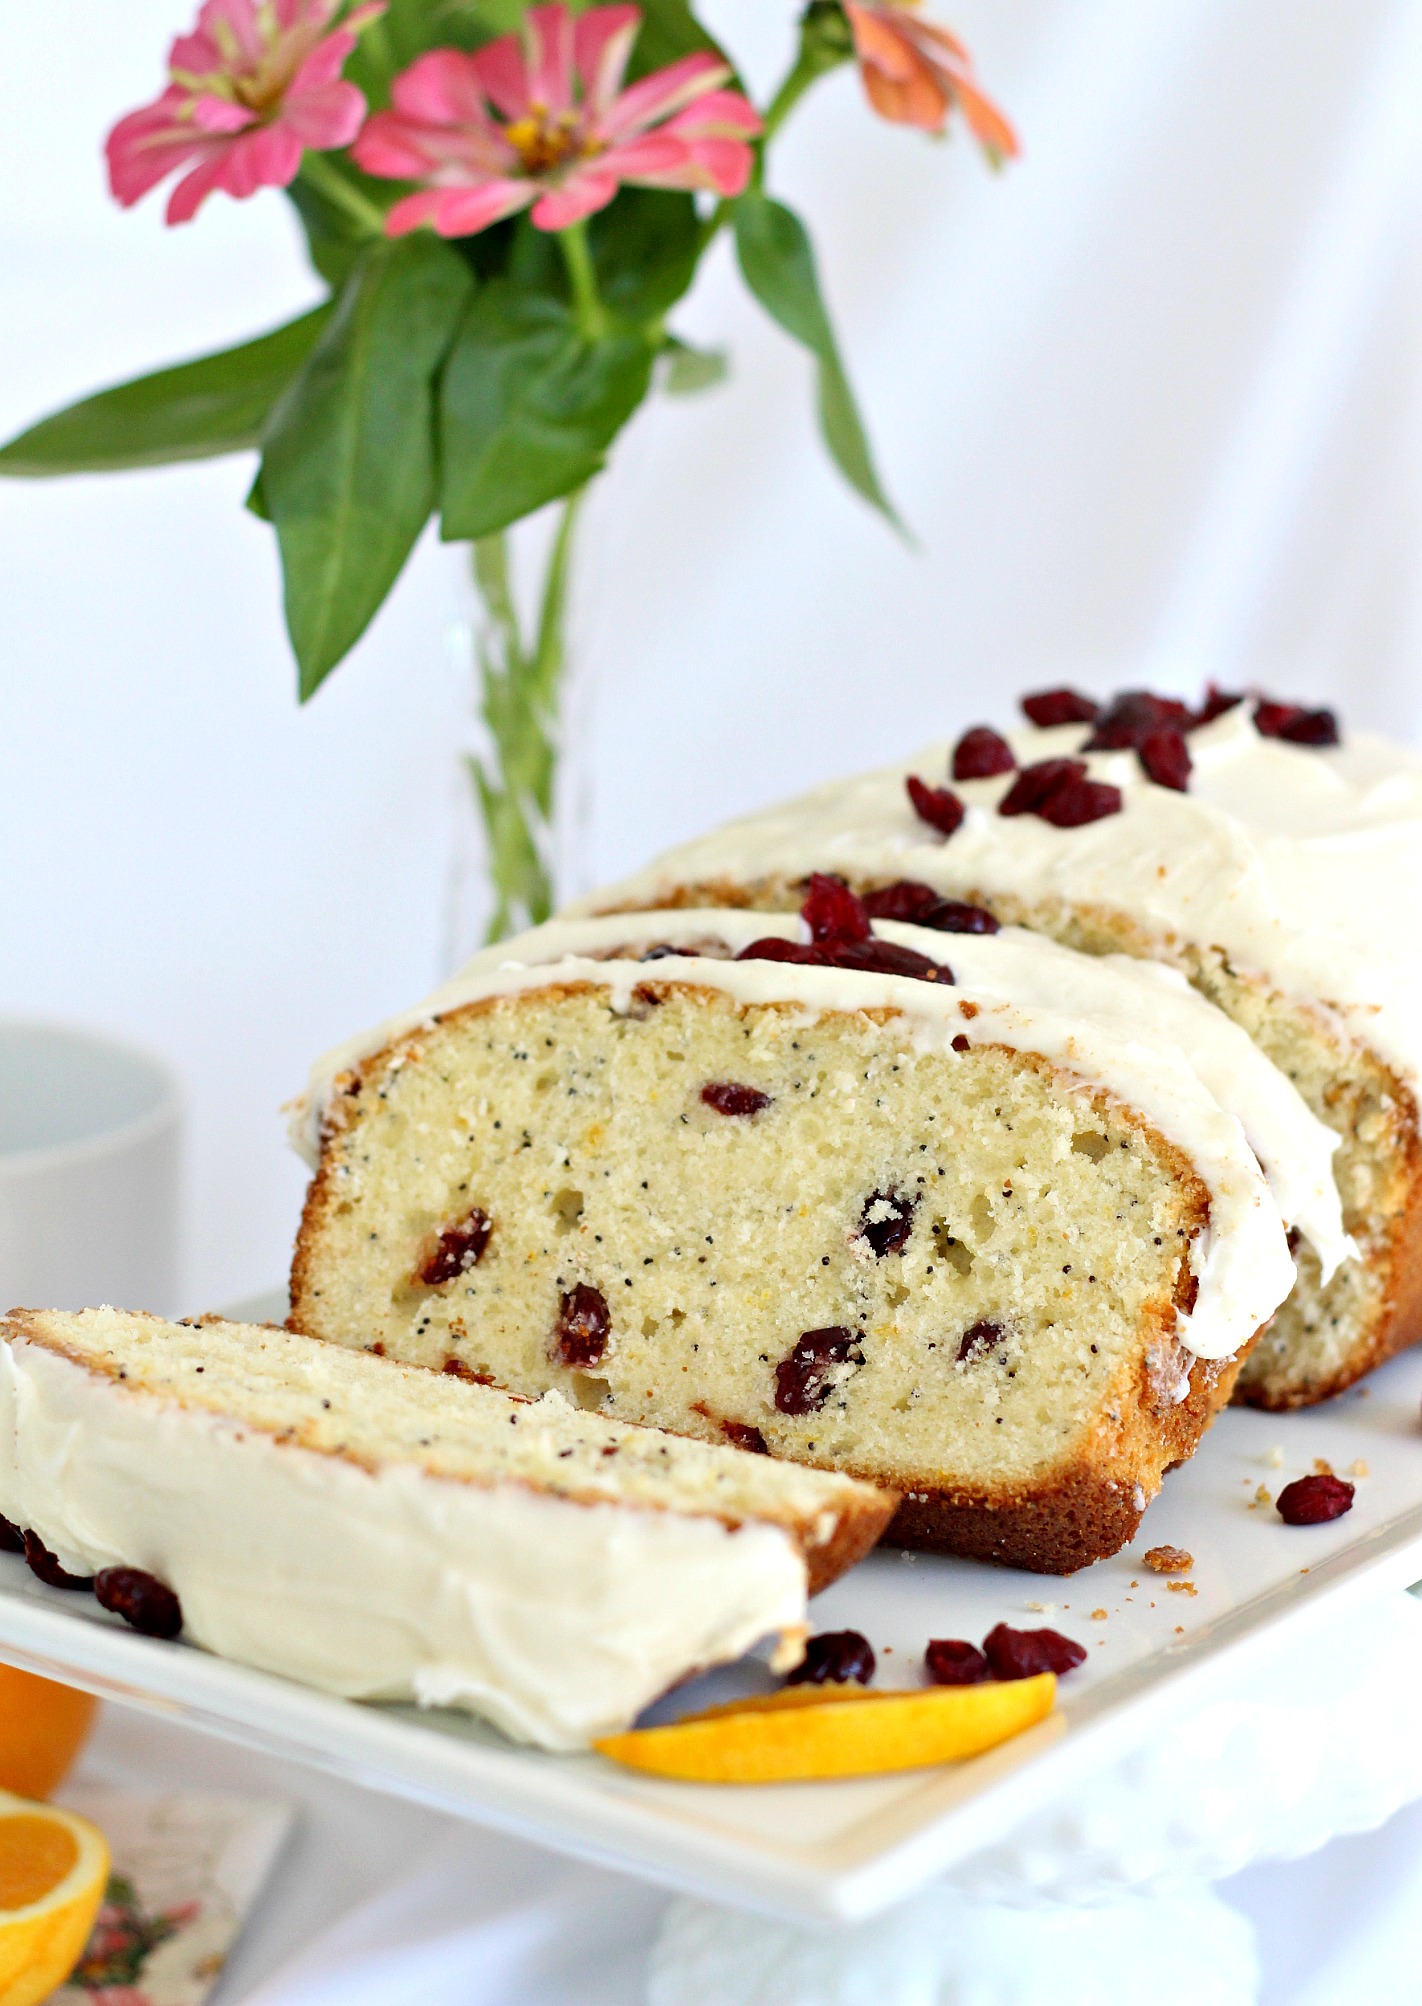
1239	842
385	1534
1000	1256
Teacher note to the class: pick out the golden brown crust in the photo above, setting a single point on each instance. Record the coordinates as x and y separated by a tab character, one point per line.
860	1528
1083	1513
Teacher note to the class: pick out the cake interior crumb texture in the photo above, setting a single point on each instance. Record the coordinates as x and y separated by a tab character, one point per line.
953	1273
1326	1336
375	1414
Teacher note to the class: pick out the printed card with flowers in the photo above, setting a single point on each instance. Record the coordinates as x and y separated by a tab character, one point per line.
186	1871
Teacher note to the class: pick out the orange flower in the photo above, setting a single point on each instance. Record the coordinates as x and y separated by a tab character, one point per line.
915	73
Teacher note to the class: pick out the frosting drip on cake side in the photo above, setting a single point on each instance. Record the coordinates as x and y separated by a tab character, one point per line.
1242	1262
556	1620
1299	864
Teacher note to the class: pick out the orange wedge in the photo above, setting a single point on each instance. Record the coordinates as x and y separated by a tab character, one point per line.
54	1868
805	1732
42	1729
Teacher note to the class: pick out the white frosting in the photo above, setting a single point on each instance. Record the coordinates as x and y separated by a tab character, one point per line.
1242	1261
558	1621
1303	866
1295	1149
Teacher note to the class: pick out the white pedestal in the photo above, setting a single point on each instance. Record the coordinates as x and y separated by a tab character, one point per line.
1105	1897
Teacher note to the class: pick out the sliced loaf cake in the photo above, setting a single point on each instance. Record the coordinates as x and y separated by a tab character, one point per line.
999	1254
1241	841
385	1534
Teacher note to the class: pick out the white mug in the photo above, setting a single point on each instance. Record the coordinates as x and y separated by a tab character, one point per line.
89	1161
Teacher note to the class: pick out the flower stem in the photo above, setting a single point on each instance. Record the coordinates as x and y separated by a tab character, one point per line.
327	180
520	687
582	277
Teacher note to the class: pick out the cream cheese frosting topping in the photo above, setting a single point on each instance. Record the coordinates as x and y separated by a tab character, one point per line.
557	1619
1242	1262
1301	865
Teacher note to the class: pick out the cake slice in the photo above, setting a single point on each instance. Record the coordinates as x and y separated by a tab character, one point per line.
389	1535
999	1256
1238	841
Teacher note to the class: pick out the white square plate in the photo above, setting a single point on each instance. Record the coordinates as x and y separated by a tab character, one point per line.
847	1849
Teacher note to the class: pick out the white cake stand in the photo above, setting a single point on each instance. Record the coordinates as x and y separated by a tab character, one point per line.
1108	1892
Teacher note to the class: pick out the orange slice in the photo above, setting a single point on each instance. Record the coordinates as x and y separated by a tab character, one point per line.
42	1728
54	1868
804	1732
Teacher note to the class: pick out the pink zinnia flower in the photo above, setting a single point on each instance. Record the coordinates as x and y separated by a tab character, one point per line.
541	118
254	85
915	73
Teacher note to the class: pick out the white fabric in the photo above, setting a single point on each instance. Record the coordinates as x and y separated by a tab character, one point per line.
1150	402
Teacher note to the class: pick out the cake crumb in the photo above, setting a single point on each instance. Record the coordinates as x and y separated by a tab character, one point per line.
1180	1629
1098	1615
1275	1459
1358	1468
1182	1587
1322	1468
1169	1560
1135	1584
1261	1498
1041	1608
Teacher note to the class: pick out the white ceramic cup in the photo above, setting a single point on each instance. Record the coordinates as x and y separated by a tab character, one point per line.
89	1161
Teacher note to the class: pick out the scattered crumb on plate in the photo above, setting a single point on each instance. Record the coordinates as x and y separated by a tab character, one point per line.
1182	1587
1169	1560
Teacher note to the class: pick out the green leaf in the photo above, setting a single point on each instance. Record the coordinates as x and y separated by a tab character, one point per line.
192	412
645	246
670	31
778	264
686	371
529	407
348	458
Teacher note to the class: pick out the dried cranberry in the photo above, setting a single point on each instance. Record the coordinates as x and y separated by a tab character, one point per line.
584	1325
833	1658
1034	785
980	753
46	1565
1021	1654
741	1435
913	904
1165	759
1133	716
1314	1500
882	957
12	1540
905	900
833	912
938	806
953	916
1293	722
980	1339
1060	707
1076	802
887	1221
143	1601
951	1662
1216	703
457	1369
805	1380
460	1247
730	1097
772	948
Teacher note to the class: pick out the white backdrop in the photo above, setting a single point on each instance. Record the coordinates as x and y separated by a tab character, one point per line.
1150	401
